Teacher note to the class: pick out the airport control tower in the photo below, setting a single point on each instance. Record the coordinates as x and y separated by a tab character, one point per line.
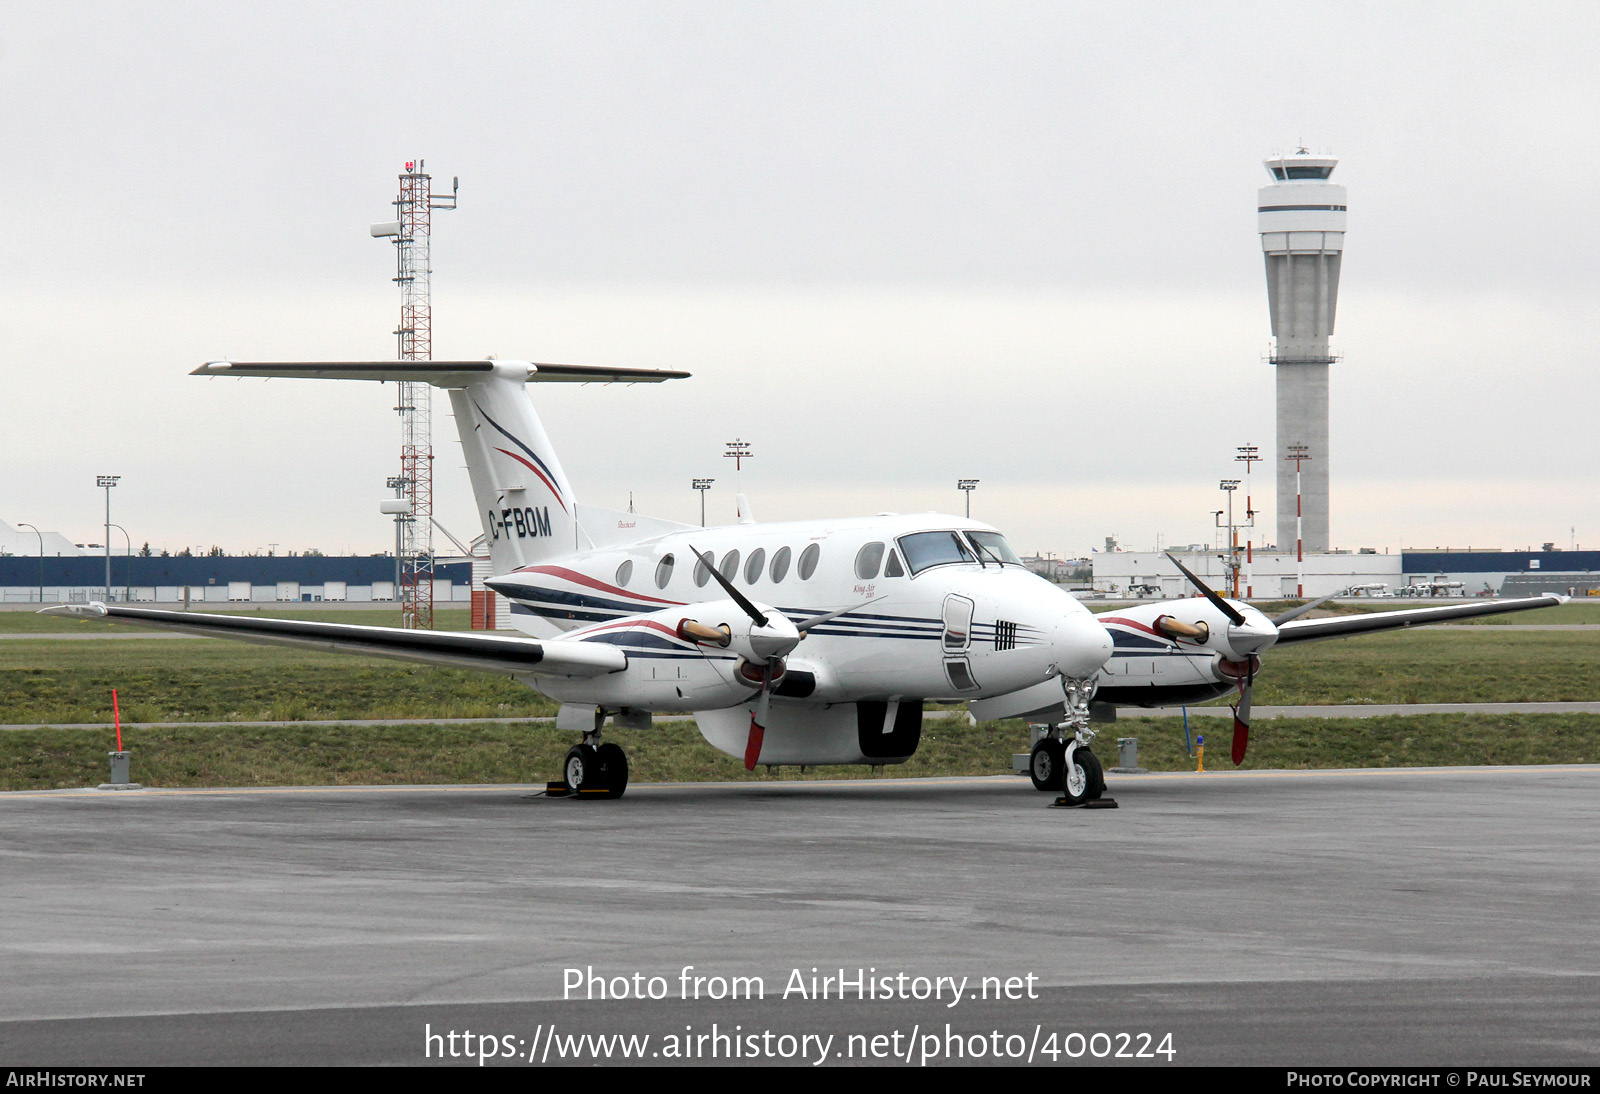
1302	218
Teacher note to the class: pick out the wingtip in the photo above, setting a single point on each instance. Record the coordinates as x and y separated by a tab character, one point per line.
92	610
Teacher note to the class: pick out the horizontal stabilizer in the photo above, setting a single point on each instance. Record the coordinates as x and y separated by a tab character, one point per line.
486	651
440	373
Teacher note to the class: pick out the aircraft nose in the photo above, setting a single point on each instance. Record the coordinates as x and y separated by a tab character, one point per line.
1083	646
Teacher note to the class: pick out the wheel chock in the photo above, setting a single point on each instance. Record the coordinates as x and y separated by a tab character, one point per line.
556	790
1098	803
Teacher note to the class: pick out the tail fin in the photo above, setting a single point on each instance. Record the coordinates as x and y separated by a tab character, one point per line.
523	496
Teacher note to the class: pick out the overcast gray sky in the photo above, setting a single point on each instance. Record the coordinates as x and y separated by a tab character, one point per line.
897	244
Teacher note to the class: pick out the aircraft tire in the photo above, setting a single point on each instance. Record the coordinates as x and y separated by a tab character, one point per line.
1046	763
1077	778
613	769
1096	773
581	768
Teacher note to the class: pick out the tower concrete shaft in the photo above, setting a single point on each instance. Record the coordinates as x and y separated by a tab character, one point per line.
1302	225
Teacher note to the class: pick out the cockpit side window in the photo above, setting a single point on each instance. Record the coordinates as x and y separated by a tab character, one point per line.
893	568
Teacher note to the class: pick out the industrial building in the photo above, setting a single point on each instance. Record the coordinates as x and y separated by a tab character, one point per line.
221	580
1274	574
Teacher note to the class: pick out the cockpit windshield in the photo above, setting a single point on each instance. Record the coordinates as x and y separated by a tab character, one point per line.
992	547
925	549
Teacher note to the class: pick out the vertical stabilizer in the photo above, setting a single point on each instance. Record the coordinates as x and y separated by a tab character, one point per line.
523	496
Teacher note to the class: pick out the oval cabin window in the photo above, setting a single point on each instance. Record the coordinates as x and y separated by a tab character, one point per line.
868	559
808	562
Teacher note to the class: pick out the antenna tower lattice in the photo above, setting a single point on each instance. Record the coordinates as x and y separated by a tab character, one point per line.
413	273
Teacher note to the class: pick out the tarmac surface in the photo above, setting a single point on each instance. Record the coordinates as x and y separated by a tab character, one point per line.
1387	916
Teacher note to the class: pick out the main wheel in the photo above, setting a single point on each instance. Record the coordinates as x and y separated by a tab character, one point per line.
1044	766
1097	774
582	768
613	769
1077	777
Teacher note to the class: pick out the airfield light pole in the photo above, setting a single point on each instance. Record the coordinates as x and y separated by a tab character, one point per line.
1230	485
1247	456
106	482
967	486
702	485
411	231
1298	453
25	524
127	565
738	451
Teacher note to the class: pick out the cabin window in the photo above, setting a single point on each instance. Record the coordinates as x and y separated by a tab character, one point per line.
924	549
894	569
730	564
780	564
808	562
868	559
752	569
702	569
664	571
625	572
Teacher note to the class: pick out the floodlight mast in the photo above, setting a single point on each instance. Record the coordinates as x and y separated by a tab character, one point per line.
1230	485
967	486
413	273
701	486
106	482
1298	453
1248	456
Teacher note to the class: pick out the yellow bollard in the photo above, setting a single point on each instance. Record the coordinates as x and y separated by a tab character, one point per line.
1200	750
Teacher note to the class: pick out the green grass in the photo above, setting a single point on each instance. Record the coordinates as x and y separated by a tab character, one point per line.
1436	666
31	622
392	755
200	680
53	682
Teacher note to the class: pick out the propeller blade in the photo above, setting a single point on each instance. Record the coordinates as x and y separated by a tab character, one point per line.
818	620
758	722
1221	605
1296	613
735	595
1241	722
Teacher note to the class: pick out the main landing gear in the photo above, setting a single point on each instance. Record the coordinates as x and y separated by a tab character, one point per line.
595	770
1061	761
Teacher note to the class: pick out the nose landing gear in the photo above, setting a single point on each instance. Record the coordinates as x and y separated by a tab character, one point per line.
1061	761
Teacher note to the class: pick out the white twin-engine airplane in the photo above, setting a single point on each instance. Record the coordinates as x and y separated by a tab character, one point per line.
802	643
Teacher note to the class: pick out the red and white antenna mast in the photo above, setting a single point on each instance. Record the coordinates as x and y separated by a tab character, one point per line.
413	272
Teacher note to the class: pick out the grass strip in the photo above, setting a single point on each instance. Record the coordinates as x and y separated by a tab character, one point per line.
675	752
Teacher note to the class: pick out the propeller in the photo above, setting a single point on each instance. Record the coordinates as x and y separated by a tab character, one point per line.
1296	613
770	664
771	648
1205	590
1241	712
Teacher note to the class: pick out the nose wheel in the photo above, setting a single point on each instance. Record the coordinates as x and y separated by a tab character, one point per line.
1061	761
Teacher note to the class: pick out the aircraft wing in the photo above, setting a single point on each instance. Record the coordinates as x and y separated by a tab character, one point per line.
508	653
1307	630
